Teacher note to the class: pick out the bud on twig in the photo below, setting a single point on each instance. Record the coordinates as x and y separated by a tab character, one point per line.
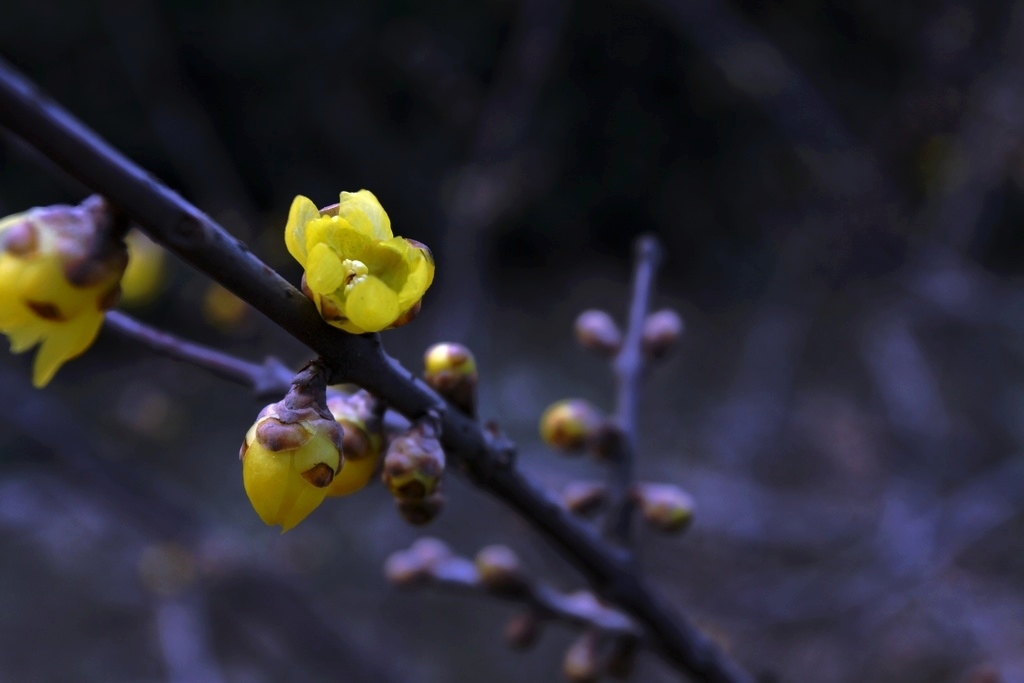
404	568
430	551
597	331
662	330
570	425
450	370
361	416
292	452
582	663
499	569
414	464
665	507
420	512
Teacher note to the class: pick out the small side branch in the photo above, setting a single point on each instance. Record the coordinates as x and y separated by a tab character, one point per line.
629	365
271	378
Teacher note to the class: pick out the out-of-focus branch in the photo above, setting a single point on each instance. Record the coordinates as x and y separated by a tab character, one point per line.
361	359
272	378
629	367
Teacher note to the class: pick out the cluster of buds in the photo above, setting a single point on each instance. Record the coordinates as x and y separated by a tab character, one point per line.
413	466
292	453
597	331
609	639
60	268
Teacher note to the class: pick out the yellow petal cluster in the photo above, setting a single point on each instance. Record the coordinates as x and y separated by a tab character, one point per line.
360	276
287	467
56	281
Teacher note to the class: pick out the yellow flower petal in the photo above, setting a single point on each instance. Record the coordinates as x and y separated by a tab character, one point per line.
303	211
353	476
324	270
365	214
58	348
421	275
371	304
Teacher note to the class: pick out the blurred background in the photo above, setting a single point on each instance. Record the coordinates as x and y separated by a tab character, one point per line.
839	188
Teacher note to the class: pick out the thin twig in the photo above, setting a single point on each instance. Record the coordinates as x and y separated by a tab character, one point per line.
269	379
629	366
360	359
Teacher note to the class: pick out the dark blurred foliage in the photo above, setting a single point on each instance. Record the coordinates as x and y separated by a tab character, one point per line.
839	188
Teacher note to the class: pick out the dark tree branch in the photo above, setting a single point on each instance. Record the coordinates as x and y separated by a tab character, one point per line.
629	366
193	236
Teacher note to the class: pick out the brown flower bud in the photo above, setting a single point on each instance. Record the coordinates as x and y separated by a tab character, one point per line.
422	511
597	331
414	464
662	330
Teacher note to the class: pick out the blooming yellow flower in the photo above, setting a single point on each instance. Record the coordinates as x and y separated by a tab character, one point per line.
287	466
360	276
58	274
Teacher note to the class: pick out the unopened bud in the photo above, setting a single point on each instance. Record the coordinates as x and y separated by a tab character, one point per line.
570	425
359	414
403	568
662	330
597	331
414	464
420	512
292	452
584	497
499	569
450	369
665	507
523	630
430	551
582	663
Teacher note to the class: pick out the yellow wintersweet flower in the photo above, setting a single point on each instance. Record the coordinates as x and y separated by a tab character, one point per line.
59	272
360	276
292	454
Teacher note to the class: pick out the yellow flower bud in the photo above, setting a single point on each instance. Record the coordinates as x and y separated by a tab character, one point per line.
665	507
360	276
450	370
59	271
570	425
359	414
292	453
